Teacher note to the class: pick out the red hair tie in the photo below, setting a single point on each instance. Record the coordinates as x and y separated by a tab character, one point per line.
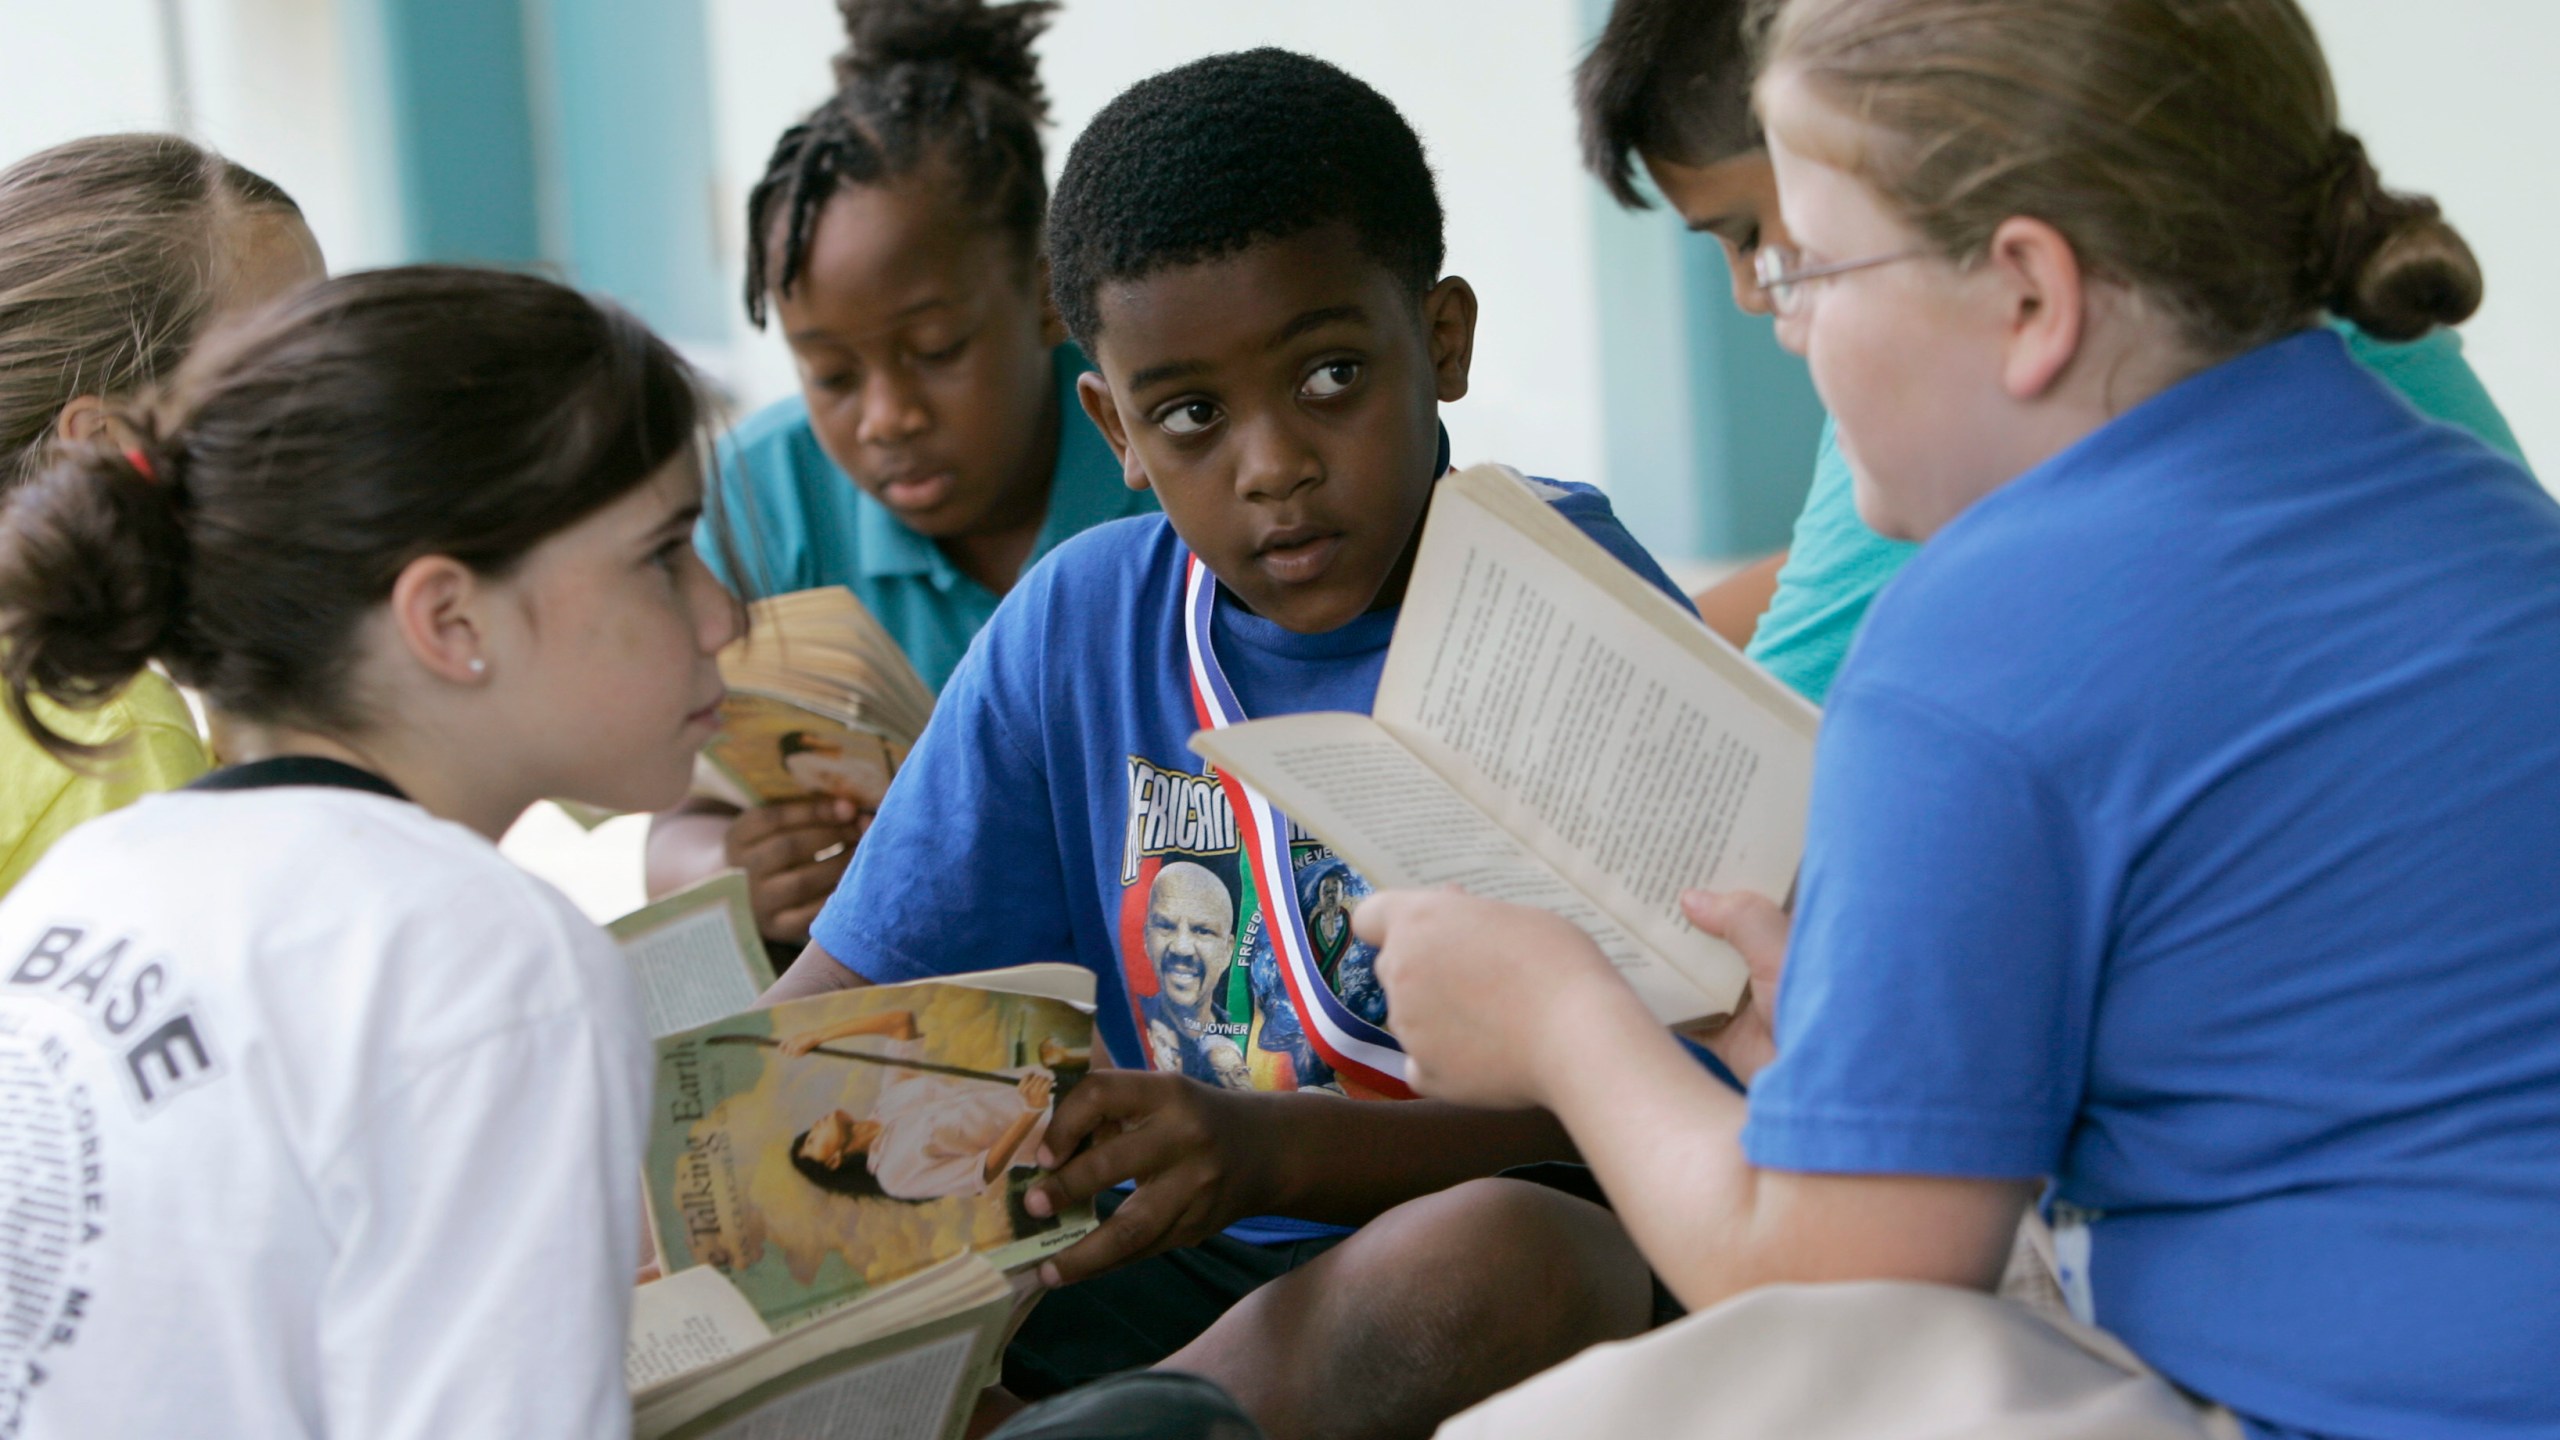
142	463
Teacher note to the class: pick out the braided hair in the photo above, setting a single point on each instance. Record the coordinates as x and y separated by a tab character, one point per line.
952	81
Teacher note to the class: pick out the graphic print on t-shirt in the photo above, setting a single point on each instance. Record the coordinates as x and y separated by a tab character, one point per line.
1203	978
53	1211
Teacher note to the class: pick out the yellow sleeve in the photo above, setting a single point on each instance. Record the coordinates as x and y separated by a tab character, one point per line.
42	799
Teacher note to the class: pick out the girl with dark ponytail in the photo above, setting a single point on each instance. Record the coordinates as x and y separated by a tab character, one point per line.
936	447
2183	826
323	1116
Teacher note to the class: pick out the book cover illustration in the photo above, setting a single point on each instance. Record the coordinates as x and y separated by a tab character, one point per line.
832	1145
776	750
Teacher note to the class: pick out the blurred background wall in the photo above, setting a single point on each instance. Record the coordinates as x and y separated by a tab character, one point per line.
612	141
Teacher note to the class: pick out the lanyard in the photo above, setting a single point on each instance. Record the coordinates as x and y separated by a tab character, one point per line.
1354	1047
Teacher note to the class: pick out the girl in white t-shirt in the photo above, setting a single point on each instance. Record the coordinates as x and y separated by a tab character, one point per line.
317	1118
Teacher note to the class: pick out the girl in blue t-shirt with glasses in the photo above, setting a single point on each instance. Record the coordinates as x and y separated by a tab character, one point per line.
2182	826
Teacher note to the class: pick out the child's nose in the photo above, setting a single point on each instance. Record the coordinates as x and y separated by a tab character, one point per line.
1275	461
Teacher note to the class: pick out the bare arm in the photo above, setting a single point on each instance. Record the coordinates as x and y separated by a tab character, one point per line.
815	973
1205	1158
1732	607
793	851
1502	1005
1665	1141
686	844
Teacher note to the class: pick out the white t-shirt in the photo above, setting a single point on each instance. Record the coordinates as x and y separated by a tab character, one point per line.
317	1118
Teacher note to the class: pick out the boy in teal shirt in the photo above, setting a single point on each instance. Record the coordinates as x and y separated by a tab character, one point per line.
1668	86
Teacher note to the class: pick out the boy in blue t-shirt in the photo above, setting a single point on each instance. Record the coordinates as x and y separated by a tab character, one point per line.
1249	248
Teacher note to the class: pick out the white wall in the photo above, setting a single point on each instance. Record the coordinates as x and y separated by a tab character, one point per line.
1483	81
2452	96
68	70
269	86
2454	99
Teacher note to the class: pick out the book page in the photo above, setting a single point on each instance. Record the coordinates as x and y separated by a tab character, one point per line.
695	955
684	1322
1592	717
1347	778
957	1313
904	1397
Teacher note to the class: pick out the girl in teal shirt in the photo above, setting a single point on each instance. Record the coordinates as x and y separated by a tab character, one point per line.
936	448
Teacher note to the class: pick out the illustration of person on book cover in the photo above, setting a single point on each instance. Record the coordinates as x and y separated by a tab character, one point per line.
1196	951
928	1135
824	766
775	750
829	1145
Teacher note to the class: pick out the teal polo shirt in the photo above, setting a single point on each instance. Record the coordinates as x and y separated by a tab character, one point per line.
797	522
1836	564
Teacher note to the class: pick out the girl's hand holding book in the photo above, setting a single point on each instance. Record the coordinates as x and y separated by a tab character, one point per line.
794	852
1756	928
1476	990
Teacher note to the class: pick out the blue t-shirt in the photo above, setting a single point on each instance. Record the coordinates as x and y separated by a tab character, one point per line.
1055	810
2183	830
1835	565
798	522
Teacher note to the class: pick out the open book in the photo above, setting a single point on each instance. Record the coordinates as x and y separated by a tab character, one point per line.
827	1147
835	1191
1553	731
905	1363
696	954
821	702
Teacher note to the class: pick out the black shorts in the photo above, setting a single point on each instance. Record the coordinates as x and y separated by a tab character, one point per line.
1135	1316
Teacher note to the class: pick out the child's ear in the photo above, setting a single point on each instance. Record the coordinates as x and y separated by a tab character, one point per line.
1449	325
434	605
2043	297
1094	394
84	418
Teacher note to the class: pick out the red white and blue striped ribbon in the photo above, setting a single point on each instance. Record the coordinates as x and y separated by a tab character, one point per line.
1365	1054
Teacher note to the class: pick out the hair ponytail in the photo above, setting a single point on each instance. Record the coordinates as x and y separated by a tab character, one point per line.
951	82
301	459
967	39
92	551
2189	149
2390	262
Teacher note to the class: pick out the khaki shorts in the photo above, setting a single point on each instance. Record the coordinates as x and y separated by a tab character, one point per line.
1876	1360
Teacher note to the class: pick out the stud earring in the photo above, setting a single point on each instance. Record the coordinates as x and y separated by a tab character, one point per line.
479	666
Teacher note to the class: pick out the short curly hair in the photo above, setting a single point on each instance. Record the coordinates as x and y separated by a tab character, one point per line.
1200	162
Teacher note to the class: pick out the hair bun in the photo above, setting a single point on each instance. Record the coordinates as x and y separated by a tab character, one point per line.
93	559
992	42
2389	262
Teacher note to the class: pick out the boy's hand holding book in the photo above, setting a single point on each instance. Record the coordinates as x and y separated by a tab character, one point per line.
1200	1156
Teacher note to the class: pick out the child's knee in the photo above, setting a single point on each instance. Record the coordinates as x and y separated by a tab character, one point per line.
1553	1254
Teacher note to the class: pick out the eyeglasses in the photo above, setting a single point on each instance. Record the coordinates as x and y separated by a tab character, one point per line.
1776	269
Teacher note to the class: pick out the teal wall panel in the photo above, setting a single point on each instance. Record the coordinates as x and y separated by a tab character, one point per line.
1710	425
459	121
623	92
